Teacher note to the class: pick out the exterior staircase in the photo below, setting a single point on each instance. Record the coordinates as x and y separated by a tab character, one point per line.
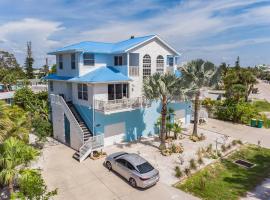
87	133
89	142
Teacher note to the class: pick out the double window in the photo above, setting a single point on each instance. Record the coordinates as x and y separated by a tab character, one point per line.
117	91
160	64
60	61
118	60
73	59
82	91
89	59
146	66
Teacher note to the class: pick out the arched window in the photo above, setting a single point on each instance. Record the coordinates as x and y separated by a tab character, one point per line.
160	64
146	66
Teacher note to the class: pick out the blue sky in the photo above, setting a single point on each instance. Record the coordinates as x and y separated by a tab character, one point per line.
216	30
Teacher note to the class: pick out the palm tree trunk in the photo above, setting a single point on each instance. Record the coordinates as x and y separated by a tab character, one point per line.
248	93
10	187
163	120
196	115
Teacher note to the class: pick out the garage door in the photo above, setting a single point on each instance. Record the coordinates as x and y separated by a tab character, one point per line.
114	133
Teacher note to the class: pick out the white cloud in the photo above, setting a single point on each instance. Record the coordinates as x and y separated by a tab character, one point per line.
15	34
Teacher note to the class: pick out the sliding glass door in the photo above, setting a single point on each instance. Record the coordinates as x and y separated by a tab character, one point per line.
117	91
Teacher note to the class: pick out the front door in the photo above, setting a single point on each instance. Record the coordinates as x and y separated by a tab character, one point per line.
67	130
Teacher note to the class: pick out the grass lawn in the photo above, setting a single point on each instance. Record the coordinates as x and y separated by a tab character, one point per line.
226	180
262	106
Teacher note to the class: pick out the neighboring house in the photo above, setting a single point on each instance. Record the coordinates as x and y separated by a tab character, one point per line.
96	95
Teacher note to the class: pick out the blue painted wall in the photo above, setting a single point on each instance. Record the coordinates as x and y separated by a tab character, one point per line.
139	122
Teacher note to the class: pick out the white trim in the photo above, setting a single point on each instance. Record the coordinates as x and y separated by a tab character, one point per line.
162	41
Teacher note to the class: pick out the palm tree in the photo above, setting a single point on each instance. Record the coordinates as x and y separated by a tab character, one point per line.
5	122
176	129
196	75
13	155
164	88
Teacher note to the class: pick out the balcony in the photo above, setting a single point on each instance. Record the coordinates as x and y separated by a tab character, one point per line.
134	71
121	105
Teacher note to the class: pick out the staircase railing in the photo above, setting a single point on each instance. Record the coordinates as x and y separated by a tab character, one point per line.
91	144
57	99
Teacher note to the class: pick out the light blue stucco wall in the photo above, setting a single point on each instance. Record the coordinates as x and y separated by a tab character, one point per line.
139	122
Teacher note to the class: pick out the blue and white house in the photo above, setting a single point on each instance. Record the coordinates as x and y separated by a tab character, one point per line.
96	96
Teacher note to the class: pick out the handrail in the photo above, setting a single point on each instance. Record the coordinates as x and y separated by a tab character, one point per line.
57	99
118	104
91	144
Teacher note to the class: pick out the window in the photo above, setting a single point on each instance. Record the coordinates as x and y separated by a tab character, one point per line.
118	60
82	92
129	166
89	59
117	91
160	64
145	167
121	161
51	86
60	61
146	66
73	63
170	61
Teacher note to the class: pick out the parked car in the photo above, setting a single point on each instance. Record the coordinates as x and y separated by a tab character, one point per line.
135	169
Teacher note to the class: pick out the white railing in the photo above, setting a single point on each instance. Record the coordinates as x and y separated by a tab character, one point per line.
133	70
58	100
120	104
91	144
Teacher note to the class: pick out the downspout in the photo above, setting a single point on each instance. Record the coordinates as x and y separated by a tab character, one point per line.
93	108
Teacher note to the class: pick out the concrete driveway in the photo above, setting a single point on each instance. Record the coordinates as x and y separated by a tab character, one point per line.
238	131
91	180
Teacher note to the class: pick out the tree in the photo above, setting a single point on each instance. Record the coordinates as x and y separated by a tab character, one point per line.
14	153
53	69
32	186
196	75
164	88
29	61
237	63
176	129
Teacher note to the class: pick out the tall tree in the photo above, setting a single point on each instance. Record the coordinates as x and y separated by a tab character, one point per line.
237	63
29	61
196	75
164	88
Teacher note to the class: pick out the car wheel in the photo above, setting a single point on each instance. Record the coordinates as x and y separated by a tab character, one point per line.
132	182
109	165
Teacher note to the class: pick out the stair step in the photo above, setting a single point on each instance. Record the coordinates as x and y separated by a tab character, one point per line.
76	156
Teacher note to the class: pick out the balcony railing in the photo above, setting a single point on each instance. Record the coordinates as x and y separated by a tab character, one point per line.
121	104
133	70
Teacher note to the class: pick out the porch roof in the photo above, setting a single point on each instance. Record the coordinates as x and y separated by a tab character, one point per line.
99	75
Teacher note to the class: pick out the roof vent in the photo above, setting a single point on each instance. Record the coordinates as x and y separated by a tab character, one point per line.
132	37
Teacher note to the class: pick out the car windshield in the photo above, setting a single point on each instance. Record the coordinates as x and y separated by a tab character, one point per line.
145	167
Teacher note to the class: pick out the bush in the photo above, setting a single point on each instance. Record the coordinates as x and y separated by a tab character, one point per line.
200	160
192	164
223	148
234	142
187	171
178	172
42	128
241	112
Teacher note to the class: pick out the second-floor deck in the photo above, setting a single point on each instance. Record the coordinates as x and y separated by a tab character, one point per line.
121	105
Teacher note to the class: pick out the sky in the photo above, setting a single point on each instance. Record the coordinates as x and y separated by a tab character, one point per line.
214	30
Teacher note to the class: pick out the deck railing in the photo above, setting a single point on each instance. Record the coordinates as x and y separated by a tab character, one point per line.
121	104
133	70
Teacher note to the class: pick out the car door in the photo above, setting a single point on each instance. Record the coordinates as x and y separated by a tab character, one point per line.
130	169
121	167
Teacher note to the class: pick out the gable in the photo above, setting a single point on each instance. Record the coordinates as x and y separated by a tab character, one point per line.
154	44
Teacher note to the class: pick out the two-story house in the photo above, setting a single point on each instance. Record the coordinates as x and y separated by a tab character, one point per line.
96	96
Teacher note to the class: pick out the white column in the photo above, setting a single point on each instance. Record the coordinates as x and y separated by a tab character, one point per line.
128	64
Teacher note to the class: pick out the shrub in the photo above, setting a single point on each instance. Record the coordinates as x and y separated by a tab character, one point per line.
187	171
178	172
229	146
202	137
223	148
209	149
202	182
192	164
238	112
234	142
200	160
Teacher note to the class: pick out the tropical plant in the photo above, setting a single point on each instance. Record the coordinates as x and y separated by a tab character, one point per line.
164	88
5	122
14	154
196	75
176	129
32	186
